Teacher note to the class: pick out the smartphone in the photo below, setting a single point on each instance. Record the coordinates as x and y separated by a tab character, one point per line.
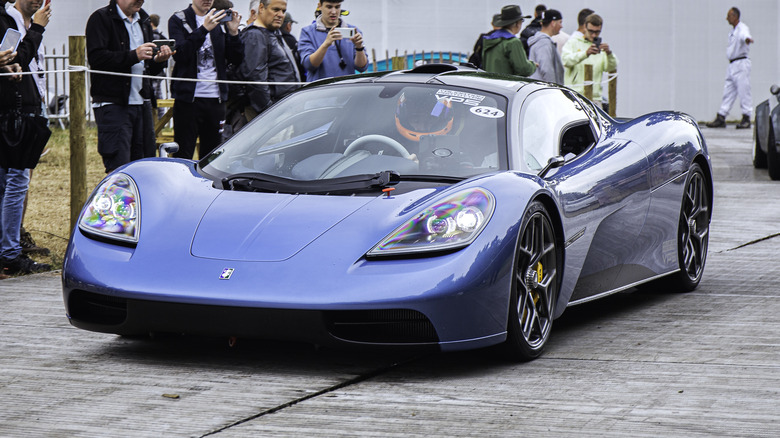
346	32
47	2
228	16
169	43
10	40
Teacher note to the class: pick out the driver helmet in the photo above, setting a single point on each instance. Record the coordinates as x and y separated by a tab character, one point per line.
420	112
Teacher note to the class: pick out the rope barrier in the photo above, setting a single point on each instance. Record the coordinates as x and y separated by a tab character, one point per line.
610	77
78	68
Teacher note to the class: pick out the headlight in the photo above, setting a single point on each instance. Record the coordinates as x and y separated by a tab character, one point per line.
112	211
450	224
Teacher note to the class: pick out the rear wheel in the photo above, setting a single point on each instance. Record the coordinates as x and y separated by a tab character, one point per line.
534	286
772	158
693	231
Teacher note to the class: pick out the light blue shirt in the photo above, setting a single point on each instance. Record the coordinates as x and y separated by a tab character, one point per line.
136	35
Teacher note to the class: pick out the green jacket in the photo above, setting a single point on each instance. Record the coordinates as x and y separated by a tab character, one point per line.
574	58
503	52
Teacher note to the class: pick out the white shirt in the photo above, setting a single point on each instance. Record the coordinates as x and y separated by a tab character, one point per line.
207	67
37	63
738	48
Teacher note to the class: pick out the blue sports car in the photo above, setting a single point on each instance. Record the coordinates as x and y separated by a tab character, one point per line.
438	207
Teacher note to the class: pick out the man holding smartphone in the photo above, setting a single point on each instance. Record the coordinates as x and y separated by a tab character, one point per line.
588	49
324	49
119	39
203	51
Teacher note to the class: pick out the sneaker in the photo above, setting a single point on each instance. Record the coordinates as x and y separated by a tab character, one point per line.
745	123
719	122
28	244
23	265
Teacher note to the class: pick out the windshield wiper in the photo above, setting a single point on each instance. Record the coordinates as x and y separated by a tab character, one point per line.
261	182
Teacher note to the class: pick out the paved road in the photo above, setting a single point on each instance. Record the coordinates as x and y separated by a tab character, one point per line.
705	363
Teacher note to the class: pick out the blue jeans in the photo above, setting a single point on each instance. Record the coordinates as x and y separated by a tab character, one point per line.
13	189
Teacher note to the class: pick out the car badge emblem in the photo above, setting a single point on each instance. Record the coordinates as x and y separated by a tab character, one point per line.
226	273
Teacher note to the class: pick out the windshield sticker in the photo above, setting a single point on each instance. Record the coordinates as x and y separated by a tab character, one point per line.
460	97
487	112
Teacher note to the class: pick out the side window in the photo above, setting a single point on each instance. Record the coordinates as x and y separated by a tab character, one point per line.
546	116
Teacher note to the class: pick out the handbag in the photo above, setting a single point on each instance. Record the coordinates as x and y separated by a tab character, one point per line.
22	138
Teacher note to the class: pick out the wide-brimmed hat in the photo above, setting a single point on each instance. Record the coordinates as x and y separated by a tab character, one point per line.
510	14
496	19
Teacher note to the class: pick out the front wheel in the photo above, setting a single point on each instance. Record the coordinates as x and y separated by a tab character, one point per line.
534	286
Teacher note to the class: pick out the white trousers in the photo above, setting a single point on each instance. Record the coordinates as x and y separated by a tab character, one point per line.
737	84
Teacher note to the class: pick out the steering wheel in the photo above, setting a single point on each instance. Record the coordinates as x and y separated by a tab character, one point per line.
387	141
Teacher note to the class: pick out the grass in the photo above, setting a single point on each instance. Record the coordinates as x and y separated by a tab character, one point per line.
48	200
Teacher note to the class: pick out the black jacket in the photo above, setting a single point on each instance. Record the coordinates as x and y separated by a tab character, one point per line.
108	49
266	62
27	50
228	49
529	31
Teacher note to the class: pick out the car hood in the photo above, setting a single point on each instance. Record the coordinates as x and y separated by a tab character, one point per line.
268	227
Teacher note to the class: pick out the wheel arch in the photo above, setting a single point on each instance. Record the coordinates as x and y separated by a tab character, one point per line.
705	168
555	216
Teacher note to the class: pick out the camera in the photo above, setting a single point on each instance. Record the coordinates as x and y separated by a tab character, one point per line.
597	42
228	16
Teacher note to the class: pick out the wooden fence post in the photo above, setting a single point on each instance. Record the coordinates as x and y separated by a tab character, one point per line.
588	89
78	121
613	93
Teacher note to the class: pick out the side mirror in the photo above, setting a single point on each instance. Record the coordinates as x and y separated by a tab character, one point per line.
166	149
552	163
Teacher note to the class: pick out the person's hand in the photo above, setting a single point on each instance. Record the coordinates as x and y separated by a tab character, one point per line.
232	25
749	40
593	50
12	68
145	51
42	16
357	40
6	56
212	17
333	36
163	54
605	48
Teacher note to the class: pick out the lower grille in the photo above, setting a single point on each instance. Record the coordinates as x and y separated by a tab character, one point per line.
97	309
391	326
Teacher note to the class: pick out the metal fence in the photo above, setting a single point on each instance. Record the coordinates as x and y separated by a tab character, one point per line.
57	85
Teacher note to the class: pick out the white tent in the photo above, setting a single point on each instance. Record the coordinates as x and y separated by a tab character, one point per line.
672	53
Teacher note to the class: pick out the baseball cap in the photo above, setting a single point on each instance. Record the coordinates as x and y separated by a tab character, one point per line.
551	15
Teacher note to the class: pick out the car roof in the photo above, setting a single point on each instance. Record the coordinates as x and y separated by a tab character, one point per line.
447	74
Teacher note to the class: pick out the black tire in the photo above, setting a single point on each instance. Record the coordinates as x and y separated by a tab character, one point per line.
532	299
693	231
772	158
759	156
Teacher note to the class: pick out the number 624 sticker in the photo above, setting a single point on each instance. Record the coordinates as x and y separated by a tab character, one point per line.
487	112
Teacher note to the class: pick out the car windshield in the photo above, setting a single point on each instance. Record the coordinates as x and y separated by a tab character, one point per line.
340	131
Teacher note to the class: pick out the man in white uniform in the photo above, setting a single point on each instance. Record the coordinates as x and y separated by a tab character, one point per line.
737	74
